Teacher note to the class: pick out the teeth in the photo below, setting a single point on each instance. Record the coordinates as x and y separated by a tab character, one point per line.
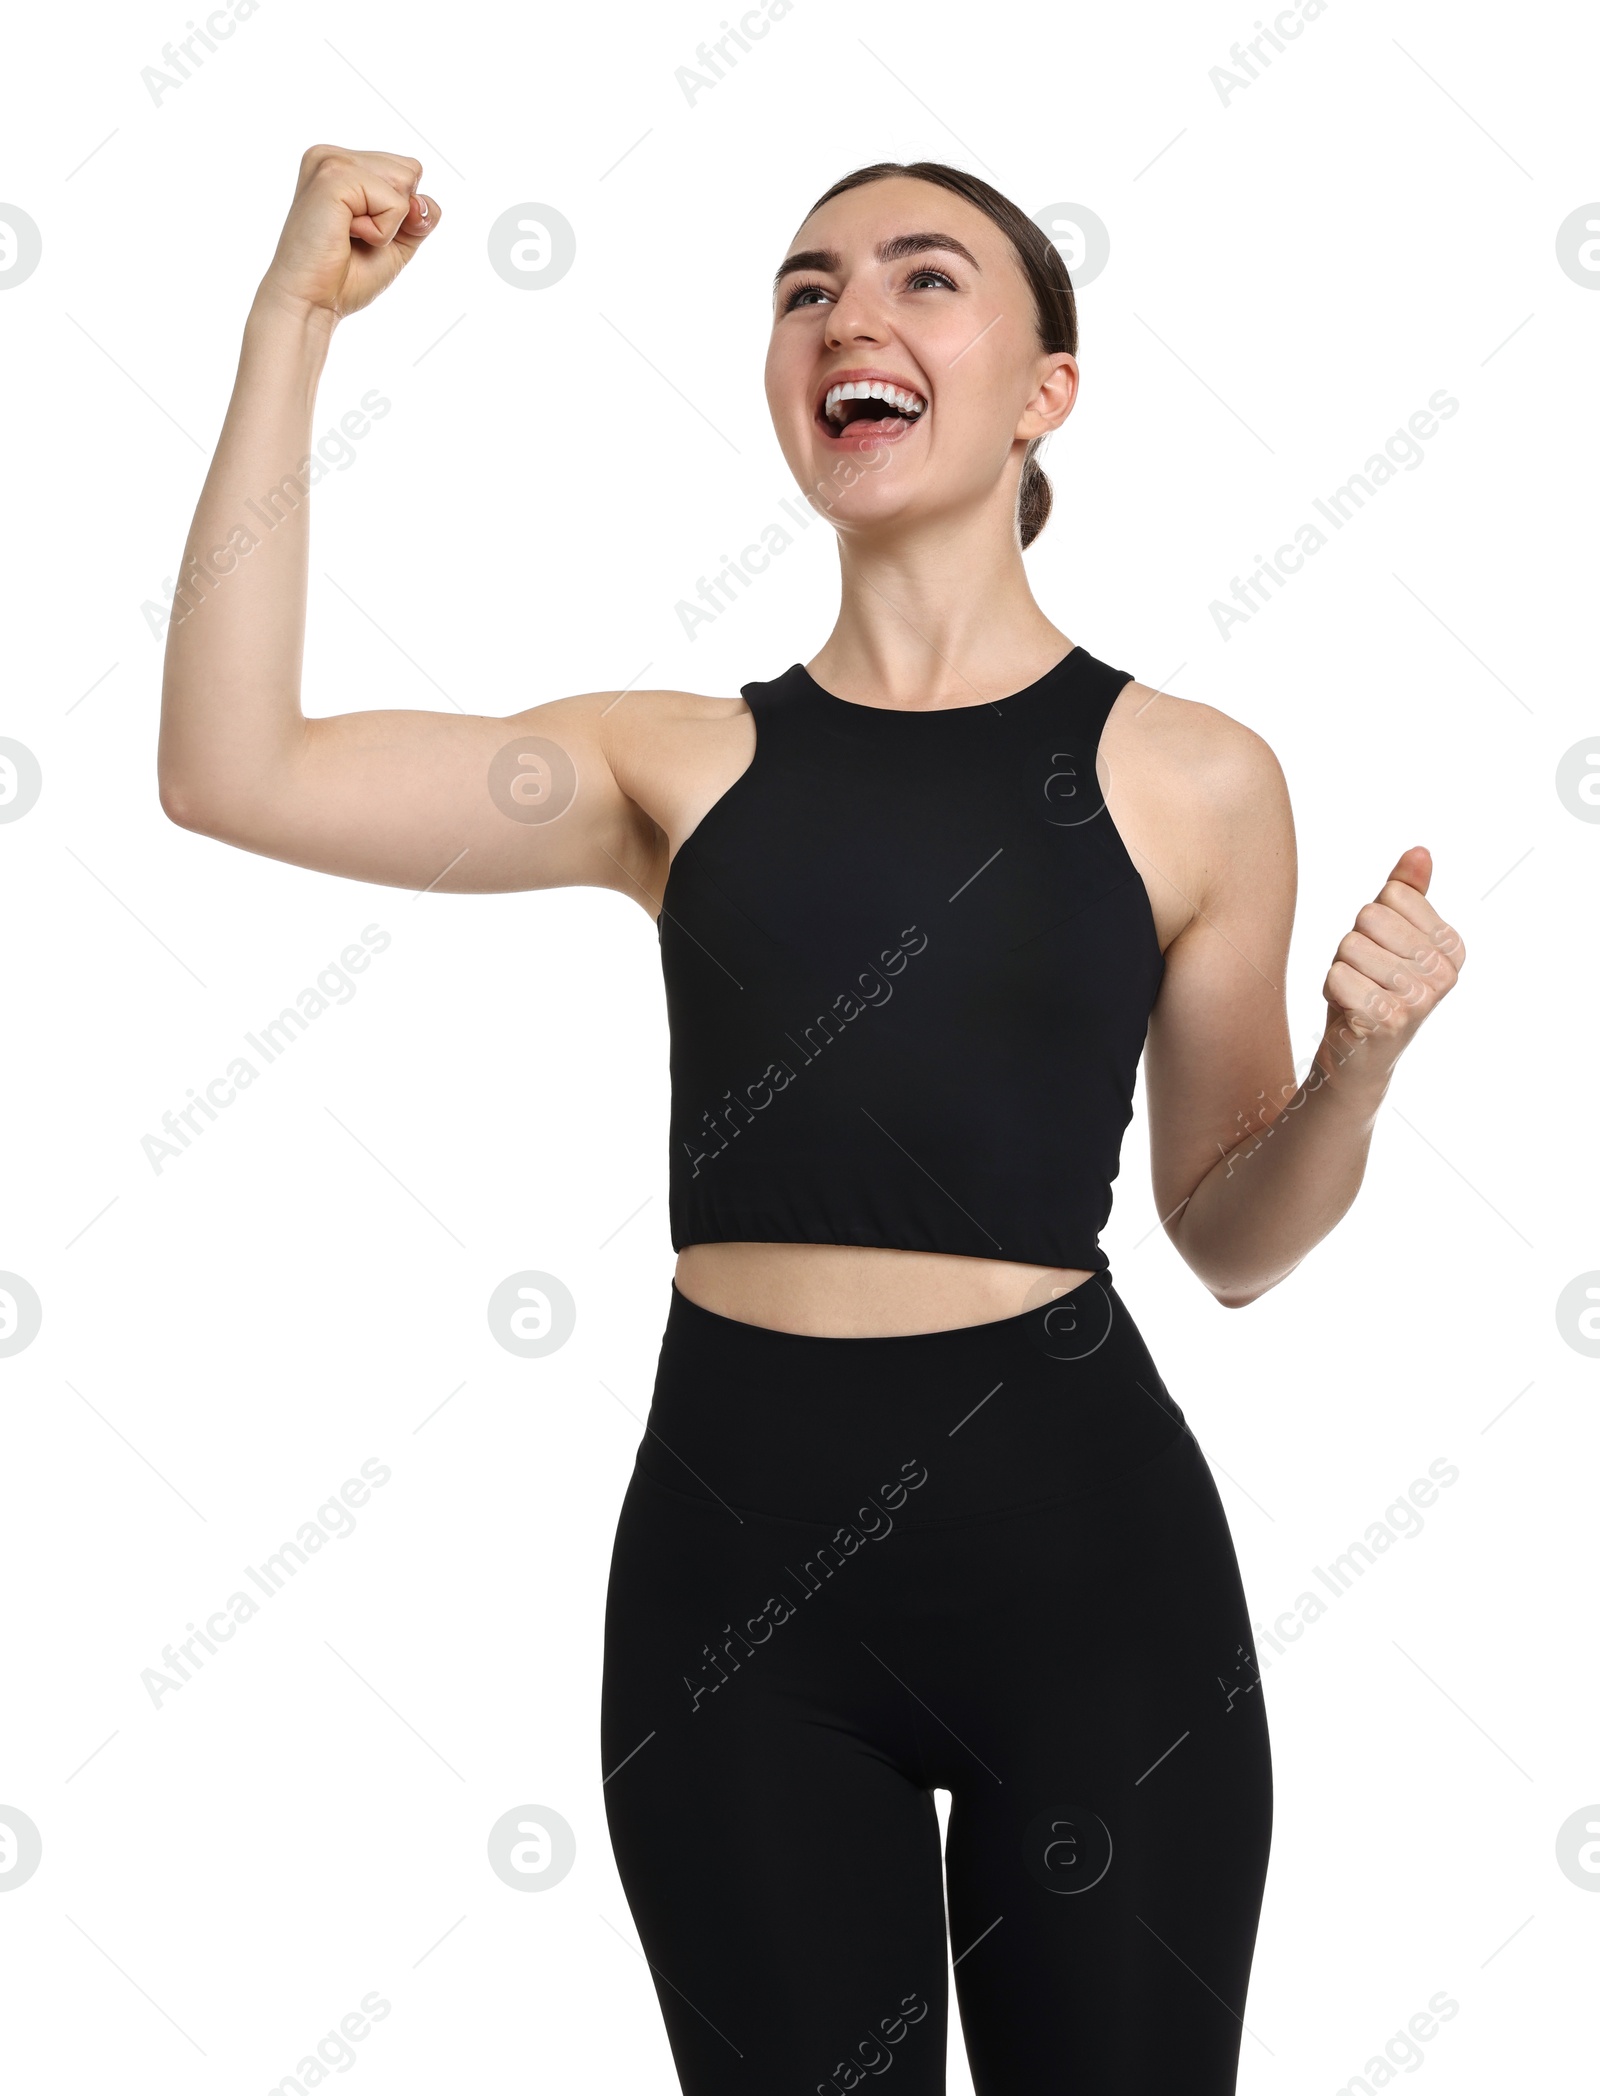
909	404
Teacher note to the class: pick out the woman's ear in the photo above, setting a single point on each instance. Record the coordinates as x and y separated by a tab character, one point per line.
1052	403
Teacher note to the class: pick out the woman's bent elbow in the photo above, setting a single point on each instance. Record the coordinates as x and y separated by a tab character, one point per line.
1241	1294
178	806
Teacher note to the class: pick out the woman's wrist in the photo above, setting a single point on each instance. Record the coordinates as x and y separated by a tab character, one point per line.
284	327
1357	1068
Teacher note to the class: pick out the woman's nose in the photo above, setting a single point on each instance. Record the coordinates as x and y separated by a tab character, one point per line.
854	317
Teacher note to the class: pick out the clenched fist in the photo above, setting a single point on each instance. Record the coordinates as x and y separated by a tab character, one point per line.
356	221
1393	968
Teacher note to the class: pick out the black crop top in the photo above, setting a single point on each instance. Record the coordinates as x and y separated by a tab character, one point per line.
909	966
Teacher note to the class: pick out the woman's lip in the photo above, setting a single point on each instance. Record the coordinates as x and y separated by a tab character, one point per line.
867	431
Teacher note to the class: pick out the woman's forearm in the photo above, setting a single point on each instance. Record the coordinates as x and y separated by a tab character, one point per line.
1281	1189
230	710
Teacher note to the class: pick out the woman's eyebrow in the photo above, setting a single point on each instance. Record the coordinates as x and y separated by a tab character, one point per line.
895	250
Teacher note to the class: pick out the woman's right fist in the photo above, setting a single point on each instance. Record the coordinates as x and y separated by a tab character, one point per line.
356	221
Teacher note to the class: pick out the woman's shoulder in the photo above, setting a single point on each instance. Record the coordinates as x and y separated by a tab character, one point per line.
1199	793
1170	739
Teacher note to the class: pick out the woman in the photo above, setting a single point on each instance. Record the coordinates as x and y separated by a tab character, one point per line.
915	1508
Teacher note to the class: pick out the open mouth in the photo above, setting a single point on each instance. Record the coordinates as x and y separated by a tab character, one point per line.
866	411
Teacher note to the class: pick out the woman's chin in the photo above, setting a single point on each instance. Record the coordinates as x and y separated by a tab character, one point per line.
868	511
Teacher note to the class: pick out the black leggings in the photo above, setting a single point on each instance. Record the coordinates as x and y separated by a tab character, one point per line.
989	1560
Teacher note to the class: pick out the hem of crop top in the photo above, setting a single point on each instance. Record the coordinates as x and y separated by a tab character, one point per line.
736	1228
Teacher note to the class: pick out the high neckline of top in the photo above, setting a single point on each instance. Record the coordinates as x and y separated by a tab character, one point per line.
1073	660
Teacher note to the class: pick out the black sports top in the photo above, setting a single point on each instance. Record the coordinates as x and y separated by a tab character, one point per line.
909	966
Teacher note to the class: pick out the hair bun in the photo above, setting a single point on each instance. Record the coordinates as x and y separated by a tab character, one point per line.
1033	500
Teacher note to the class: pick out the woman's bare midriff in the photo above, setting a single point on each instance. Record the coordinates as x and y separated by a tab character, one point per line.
830	1291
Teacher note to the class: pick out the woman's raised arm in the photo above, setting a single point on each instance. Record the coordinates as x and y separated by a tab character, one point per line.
406	797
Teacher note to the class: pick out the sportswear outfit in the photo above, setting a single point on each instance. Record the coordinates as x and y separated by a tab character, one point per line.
909	967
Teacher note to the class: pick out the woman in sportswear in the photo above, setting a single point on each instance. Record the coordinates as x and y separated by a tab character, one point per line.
915	1507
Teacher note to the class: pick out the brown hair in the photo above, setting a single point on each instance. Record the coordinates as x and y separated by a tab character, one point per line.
1055	310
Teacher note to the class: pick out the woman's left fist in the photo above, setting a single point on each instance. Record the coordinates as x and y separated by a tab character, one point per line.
1393	968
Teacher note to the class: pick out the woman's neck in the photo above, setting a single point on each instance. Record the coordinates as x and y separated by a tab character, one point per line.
934	626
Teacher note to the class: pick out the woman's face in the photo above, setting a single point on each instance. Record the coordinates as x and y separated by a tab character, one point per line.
905	284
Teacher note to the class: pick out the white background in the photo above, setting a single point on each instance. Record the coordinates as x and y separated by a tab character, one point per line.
1292	274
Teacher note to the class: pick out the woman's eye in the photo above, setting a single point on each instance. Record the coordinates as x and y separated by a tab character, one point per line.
814	294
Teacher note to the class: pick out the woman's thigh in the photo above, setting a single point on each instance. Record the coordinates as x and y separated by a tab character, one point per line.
780	1857
1111	1811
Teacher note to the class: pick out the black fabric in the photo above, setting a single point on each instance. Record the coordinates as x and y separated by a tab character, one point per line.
990	1560
909	965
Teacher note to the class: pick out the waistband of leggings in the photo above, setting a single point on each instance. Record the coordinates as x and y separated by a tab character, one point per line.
1052	1403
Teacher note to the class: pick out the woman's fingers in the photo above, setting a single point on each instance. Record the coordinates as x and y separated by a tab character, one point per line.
1399	959
378	210
1408	903
1398	974
1428	949
1367	1007
419	221
356	220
